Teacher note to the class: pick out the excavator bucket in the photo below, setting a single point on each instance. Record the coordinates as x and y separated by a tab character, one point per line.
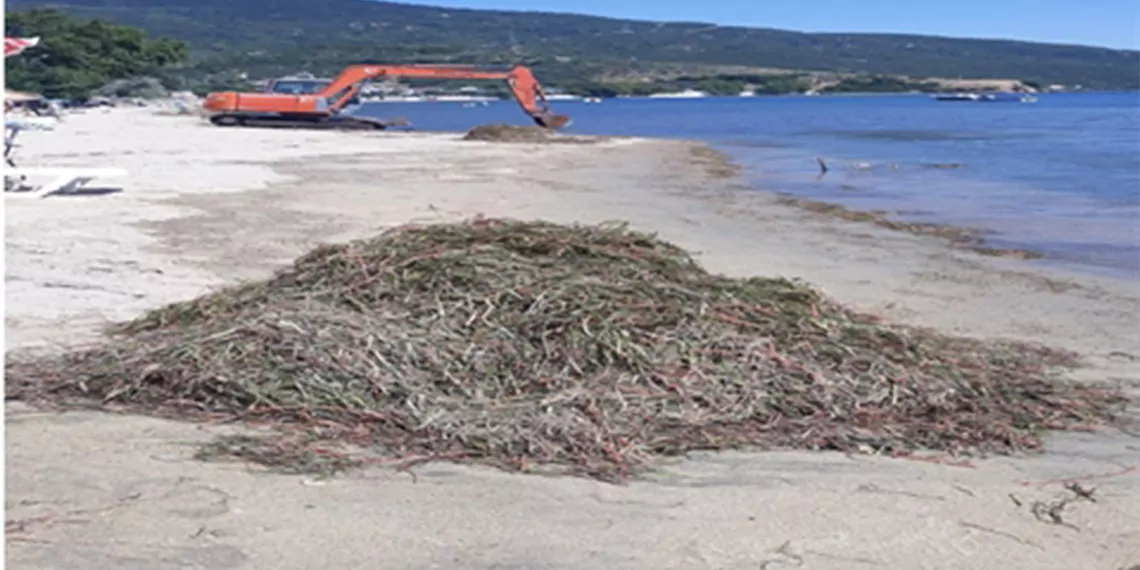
550	120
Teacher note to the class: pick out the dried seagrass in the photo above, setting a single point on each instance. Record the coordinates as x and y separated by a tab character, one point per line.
597	348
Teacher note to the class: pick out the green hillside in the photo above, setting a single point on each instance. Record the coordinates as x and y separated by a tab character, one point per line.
262	36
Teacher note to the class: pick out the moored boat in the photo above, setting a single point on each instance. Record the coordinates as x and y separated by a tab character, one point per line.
957	97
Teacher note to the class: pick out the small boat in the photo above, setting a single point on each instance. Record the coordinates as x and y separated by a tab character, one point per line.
1008	98
987	97
686	94
957	97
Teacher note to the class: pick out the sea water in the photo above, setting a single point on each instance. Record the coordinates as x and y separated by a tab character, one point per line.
1060	175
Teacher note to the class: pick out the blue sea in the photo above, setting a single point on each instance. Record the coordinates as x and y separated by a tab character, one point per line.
1060	176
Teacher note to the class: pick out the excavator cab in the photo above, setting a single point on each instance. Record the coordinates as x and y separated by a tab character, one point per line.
297	85
305	86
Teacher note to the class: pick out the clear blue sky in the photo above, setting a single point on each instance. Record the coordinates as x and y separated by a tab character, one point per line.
1111	23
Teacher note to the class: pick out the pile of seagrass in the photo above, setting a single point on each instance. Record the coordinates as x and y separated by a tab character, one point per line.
592	347
522	134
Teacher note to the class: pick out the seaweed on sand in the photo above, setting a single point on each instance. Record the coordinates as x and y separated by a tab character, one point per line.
521	134
968	238
597	348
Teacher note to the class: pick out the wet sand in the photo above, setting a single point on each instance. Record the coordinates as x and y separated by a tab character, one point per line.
204	206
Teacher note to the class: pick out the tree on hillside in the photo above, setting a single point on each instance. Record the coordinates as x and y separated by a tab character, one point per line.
77	56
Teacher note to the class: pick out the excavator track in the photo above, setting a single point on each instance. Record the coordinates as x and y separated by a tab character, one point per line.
328	122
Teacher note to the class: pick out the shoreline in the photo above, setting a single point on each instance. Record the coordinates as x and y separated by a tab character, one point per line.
968	238
892	210
205	207
936	201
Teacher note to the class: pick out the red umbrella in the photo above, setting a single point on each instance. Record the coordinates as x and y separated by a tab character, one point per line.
13	46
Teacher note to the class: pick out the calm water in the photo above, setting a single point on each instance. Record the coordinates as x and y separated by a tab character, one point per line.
1061	175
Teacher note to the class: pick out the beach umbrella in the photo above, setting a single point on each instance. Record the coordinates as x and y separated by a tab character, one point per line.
13	46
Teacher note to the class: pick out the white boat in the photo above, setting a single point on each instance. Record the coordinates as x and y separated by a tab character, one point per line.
686	94
460	98
957	97
1008	98
987	97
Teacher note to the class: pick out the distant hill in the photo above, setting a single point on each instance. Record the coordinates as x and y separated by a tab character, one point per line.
325	34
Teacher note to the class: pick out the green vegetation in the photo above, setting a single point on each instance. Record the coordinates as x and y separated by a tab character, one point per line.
879	84
582	54
76	56
777	84
284	35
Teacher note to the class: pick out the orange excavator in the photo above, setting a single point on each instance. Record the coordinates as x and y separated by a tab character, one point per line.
323	109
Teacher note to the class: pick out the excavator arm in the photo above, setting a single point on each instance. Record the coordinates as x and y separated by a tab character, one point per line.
522	82
334	97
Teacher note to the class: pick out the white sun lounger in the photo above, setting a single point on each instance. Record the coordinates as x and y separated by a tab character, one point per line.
65	179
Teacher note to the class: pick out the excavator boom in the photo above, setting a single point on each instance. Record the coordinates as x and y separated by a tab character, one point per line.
231	108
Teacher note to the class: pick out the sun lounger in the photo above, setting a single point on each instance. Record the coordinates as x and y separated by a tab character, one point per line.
13	127
33	123
65	179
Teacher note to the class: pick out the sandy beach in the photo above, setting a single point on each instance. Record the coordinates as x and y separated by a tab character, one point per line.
203	207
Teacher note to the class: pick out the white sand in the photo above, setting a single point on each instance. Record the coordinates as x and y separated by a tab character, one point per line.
205	206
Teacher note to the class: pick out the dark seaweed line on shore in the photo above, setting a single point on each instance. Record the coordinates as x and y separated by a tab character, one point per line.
719	165
960	236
